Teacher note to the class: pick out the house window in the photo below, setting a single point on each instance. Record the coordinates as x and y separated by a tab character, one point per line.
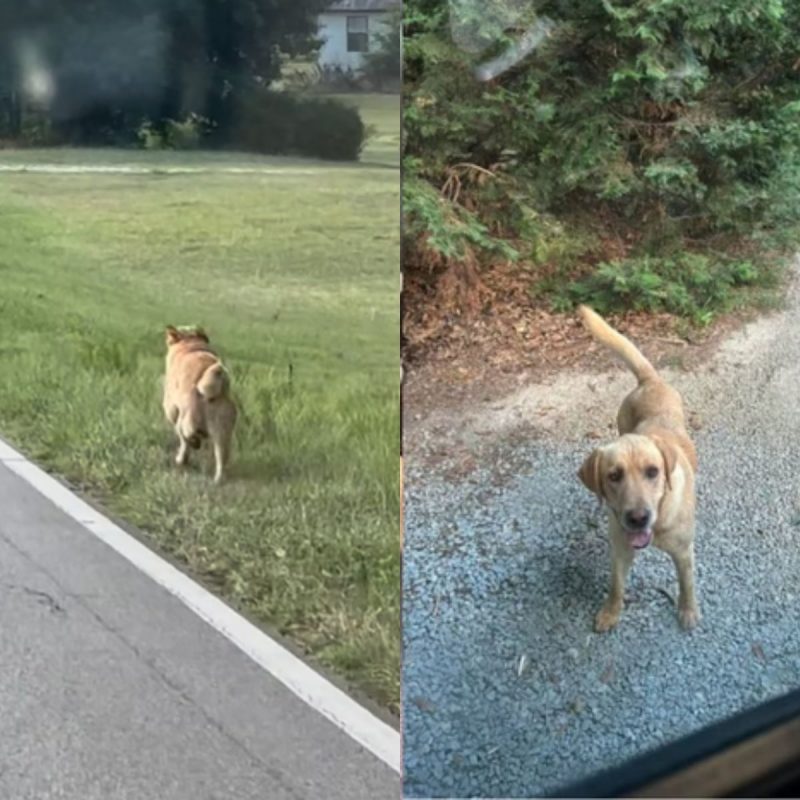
357	35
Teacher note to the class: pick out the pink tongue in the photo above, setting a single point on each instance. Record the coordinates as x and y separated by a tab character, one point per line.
640	538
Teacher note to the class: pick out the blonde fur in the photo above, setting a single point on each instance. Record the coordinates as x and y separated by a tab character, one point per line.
197	400
646	477
617	343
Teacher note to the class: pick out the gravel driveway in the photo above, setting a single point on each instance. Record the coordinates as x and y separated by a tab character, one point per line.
507	691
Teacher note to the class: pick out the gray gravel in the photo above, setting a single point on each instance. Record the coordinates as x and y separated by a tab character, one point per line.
507	691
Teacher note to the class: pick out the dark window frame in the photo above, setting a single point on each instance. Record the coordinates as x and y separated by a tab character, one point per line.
357	40
755	753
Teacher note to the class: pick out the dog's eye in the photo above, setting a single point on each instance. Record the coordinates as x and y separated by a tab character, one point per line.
615	476
651	472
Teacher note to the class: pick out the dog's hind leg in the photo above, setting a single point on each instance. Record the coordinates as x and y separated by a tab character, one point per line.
170	412
221	418
182	456
222	454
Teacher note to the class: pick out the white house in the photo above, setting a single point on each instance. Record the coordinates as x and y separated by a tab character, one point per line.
348	29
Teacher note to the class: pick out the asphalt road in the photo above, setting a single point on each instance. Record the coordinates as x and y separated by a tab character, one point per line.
507	691
111	688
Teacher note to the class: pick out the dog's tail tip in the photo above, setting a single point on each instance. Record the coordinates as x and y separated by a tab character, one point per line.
587	313
621	345
592	320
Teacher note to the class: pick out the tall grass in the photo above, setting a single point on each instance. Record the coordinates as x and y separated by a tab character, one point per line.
295	277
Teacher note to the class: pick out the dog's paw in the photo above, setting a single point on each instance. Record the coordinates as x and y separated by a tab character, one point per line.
605	620
689	617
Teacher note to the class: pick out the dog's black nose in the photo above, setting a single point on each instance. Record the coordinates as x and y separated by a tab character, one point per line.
637	520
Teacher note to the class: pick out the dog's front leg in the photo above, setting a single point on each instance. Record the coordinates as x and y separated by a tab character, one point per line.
621	560
688	611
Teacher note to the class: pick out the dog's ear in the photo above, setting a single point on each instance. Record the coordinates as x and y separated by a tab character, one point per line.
172	334
201	334
670	455
591	473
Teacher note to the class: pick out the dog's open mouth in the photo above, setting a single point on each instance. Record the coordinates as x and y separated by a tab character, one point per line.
639	539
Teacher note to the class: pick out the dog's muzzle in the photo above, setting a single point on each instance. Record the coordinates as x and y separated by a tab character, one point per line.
637	525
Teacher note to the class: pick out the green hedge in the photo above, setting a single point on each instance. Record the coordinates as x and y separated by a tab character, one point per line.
674	121
271	122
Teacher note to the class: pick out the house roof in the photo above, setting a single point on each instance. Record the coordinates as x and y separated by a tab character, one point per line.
365	5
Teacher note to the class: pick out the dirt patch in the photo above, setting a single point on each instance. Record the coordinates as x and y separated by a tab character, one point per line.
452	353
513	370
488	380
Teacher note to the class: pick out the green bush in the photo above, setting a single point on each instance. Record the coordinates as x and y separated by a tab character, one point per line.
690	285
447	227
36	131
677	123
150	137
277	123
187	134
265	122
328	129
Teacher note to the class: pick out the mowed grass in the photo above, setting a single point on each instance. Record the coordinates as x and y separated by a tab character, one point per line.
296	278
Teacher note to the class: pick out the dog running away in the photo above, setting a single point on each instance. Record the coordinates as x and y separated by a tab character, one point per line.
197	400
646	477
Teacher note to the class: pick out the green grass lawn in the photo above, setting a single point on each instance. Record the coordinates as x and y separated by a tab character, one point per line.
295	275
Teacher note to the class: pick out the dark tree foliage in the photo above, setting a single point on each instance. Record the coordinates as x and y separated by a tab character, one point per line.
114	64
667	125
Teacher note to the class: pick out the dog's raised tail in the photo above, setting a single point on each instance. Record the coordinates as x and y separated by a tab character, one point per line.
213	382
616	342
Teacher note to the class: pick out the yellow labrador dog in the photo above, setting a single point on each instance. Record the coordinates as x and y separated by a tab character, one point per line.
197	400
646	477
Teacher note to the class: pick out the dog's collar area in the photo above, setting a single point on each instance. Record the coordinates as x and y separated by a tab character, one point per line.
196	347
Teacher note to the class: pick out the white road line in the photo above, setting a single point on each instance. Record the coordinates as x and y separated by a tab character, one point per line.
344	712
